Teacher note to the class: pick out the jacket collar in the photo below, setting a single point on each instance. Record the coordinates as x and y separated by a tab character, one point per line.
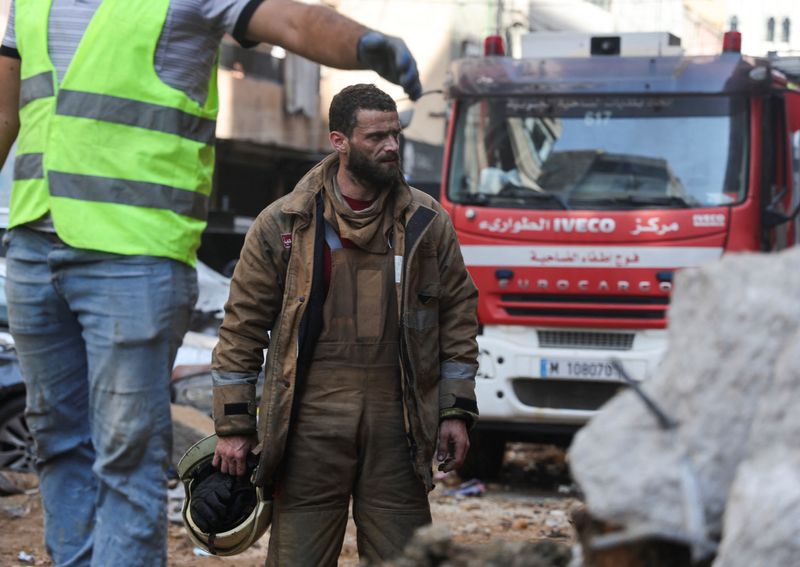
301	200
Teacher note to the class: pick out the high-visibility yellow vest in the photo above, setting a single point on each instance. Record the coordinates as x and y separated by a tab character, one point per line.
122	161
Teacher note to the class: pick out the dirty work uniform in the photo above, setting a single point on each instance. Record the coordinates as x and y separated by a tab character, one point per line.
278	302
348	436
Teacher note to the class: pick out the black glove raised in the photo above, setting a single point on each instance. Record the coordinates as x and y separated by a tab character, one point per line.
391	59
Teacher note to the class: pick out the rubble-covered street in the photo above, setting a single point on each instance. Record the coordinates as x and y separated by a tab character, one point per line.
531	503
362	235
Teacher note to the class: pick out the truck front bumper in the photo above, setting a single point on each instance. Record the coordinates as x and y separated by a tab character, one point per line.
521	381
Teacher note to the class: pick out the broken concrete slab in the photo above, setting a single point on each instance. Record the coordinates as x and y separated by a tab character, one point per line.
729	323
763	509
763	513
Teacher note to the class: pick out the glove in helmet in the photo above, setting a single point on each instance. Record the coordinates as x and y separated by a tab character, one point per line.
193	469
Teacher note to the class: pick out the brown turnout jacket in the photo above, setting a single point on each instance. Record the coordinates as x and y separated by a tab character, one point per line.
278	287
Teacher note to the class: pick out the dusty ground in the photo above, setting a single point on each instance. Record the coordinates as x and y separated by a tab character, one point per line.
532	502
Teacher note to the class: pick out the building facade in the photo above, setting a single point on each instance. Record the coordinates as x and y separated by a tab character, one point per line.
768	26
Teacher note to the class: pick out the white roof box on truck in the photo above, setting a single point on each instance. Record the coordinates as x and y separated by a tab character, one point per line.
540	45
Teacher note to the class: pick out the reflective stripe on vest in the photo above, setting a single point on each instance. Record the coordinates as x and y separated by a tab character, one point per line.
36	87
124	192
134	113
28	166
121	161
29	197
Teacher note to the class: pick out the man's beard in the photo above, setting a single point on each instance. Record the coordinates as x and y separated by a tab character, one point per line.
372	174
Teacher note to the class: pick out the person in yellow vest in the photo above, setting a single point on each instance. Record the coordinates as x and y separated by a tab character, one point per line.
112	105
370	371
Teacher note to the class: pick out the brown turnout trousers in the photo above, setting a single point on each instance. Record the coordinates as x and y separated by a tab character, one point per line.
347	436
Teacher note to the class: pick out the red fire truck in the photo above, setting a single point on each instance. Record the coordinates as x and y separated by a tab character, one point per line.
579	178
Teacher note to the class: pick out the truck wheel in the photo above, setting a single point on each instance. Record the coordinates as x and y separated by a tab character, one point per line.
485	458
17	449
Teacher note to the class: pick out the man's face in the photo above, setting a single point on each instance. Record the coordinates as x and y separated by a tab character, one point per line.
374	145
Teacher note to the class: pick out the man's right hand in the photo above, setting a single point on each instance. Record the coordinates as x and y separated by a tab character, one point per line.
321	34
390	57
230	455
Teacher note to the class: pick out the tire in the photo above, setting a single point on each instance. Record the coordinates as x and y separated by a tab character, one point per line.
486	454
17	449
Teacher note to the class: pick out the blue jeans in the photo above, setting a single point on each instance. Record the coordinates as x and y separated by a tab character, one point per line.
96	335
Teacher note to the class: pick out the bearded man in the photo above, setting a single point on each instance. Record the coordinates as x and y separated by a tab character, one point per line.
371	314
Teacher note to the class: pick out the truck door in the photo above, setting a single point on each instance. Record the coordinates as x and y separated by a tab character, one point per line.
776	179
793	114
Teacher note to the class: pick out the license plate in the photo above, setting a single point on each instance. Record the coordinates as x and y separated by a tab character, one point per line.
577	368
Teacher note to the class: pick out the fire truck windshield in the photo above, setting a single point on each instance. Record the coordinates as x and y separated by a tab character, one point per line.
600	152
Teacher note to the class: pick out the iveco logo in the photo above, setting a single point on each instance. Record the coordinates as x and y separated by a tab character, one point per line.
606	225
603	285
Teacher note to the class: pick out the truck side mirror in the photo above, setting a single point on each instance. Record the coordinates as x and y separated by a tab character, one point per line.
771	218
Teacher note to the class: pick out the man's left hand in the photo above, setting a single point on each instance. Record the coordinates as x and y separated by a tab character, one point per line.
453	444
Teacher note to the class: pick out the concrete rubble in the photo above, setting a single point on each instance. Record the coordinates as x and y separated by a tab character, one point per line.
763	512
433	546
731	380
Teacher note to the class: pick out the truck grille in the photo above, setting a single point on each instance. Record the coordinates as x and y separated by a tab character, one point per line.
565	394
635	307
585	339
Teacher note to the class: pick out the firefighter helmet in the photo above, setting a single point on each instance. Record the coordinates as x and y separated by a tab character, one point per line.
231	535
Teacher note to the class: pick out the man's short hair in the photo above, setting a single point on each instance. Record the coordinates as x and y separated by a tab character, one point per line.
346	104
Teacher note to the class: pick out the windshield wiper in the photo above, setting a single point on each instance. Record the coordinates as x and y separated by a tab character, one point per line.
509	192
513	192
477	199
674	201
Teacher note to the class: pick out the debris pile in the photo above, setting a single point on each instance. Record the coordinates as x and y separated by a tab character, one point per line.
731	383
543	466
433	546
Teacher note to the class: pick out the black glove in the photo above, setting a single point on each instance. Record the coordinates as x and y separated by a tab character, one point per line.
210	500
220	501
390	58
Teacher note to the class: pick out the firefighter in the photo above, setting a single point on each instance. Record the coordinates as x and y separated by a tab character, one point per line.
359	282
115	104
